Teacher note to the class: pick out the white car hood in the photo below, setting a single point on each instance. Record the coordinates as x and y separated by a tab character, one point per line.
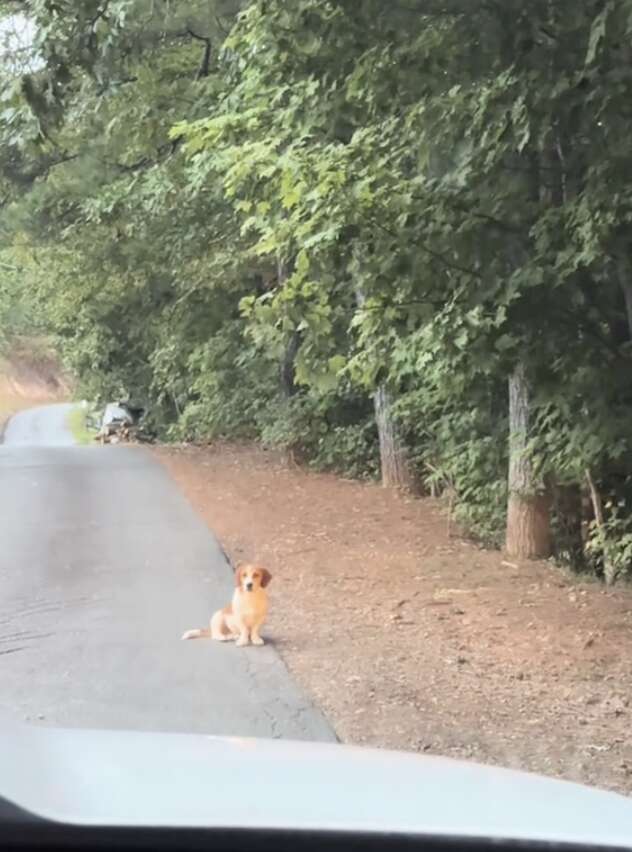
114	778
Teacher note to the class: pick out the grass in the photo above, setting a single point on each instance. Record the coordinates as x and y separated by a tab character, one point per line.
78	426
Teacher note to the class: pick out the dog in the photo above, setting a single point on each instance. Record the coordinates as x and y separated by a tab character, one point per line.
241	619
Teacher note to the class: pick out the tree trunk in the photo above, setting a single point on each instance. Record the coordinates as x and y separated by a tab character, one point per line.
625	282
286	367
395	464
293	454
609	570
528	516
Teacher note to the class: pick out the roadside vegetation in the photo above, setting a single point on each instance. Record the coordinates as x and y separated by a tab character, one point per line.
391	240
78	425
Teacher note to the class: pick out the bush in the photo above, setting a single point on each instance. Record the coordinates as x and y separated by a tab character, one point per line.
609	548
460	447
334	432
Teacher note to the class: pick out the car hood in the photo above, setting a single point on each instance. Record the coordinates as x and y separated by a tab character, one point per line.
115	778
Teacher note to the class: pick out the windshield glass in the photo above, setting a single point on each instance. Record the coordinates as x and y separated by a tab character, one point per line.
315	338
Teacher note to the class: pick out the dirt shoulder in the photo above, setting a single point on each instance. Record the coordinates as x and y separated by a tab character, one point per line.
410	640
30	375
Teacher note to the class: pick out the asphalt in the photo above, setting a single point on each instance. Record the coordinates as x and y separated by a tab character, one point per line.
40	427
104	565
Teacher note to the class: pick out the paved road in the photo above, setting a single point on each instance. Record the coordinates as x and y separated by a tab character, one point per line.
104	564
45	426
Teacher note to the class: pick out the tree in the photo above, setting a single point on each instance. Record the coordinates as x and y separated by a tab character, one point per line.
360	232
528	525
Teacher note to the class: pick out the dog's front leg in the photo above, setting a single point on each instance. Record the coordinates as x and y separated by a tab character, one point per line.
244	636
254	634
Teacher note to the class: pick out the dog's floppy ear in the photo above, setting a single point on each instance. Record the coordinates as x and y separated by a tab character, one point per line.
266	576
238	576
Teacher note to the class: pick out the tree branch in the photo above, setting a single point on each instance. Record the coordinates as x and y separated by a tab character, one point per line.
100	13
206	55
168	148
432	253
114	83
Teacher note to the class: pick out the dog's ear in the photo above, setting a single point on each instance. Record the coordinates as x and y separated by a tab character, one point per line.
238	576
266	576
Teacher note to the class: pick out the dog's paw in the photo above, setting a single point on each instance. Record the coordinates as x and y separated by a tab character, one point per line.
258	641
241	642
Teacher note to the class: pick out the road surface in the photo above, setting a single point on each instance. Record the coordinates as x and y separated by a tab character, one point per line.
104	565
42	427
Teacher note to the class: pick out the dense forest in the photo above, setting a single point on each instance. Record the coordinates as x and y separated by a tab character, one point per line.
392	239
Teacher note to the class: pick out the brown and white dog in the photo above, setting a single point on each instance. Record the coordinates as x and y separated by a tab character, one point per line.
241	619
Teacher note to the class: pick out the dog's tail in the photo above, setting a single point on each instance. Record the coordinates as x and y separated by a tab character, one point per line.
197	633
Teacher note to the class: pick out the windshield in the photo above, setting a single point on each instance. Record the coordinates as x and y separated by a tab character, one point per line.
315	326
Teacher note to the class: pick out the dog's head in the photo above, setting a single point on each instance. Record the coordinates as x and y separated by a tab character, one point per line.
249	578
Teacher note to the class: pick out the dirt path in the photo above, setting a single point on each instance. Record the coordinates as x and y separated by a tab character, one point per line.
409	640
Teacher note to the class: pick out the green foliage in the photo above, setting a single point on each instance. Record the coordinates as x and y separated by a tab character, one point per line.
611	544
249	216
233	386
77	423
334	432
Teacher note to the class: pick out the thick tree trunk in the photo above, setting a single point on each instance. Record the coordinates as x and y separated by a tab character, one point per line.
395	463
528	515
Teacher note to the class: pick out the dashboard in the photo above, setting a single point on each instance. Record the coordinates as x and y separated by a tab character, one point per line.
32	833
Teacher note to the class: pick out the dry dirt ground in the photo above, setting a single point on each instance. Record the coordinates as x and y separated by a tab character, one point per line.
30	376
412	640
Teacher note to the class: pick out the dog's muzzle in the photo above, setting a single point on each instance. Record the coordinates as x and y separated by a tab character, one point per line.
249	587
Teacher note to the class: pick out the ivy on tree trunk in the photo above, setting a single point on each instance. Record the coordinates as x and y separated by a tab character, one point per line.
528	533
395	462
395	465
